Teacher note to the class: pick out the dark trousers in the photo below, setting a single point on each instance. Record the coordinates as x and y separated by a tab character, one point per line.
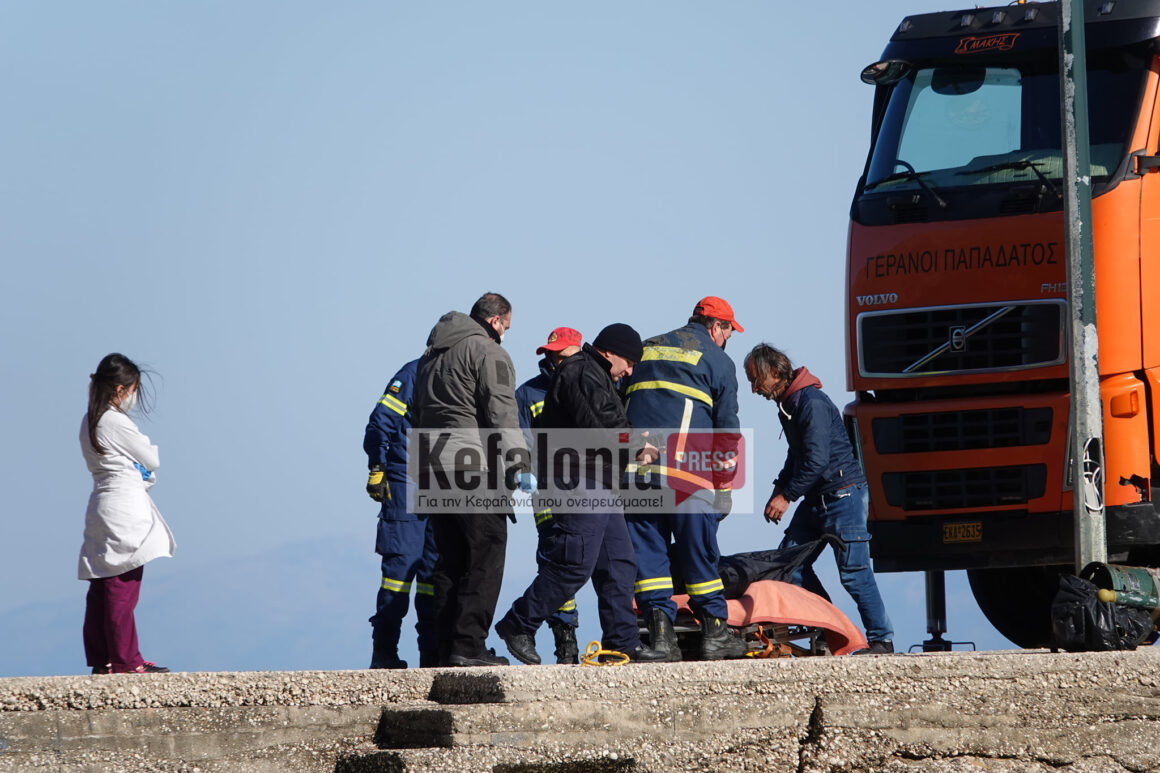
694	533
467	579
577	547
408	551
110	630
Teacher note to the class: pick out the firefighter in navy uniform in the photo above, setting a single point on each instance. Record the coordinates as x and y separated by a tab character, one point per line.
562	343
404	540
685	382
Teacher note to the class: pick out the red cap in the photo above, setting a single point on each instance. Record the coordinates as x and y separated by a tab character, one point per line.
717	308
560	339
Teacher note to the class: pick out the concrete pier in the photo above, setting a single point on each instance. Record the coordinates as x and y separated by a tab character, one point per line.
992	711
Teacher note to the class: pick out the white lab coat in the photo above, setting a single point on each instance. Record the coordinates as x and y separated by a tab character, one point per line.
123	528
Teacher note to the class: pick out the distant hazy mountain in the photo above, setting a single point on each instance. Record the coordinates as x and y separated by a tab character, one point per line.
298	606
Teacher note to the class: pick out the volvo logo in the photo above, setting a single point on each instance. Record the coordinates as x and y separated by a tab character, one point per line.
878	299
958	338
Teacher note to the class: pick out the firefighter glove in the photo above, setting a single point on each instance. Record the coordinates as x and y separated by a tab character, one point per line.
377	486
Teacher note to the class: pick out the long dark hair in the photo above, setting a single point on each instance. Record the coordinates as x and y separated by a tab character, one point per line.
113	371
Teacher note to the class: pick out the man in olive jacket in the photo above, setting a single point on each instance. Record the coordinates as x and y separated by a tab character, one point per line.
468	448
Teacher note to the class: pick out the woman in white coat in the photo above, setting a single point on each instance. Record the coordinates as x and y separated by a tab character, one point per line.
123	528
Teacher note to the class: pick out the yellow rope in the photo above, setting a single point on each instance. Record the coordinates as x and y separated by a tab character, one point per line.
593	653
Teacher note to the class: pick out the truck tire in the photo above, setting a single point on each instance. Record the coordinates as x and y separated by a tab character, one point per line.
1017	601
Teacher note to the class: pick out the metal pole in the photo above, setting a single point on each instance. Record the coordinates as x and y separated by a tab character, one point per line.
1087	436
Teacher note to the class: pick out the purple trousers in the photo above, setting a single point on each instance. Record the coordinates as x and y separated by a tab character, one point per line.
110	630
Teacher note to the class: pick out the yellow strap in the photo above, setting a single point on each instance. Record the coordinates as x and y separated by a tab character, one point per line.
592	656
674	472
704	588
671	354
673	386
536	408
568	606
395	404
653	583
543	515
398	586
424	589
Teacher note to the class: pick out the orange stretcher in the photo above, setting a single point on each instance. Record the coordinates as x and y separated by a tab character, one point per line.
778	619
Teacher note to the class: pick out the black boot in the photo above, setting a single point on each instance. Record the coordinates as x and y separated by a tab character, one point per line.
718	642
383	657
385	640
662	637
567	650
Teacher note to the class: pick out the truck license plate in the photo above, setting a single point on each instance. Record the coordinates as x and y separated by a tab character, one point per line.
963	532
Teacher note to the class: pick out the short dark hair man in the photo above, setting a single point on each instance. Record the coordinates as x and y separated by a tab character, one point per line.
466	383
590	542
562	343
822	470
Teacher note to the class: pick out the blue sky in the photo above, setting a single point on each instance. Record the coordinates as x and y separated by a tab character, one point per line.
271	203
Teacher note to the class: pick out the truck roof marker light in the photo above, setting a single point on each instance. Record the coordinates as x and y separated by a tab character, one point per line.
967	20
906	26
886	72
998	17
1106	8
1030	14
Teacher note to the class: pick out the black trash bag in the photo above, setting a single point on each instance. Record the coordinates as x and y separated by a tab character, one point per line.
740	570
1080	622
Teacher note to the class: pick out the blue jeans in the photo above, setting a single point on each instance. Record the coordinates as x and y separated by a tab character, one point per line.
843	513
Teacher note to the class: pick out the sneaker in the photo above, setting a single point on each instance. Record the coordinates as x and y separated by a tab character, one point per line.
485	658
149	668
876	648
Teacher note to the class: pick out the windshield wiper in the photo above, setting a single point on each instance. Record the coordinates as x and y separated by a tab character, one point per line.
910	175
1018	166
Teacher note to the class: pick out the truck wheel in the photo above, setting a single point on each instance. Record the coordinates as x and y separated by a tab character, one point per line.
1017	601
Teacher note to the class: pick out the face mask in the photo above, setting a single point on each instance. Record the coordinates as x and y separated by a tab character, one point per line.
129	402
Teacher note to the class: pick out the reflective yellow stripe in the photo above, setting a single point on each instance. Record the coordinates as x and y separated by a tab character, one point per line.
671	354
702	588
424	589
654	583
395	404
674	472
543	515
536	408
673	386
568	606
396	586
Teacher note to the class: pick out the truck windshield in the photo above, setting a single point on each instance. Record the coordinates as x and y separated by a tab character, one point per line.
971	125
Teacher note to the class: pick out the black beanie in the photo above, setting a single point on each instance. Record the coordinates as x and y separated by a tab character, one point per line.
621	339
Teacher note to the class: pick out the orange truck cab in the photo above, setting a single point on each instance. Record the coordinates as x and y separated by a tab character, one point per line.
957	312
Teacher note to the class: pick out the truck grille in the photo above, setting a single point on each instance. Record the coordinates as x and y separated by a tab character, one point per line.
913	433
974	487
961	339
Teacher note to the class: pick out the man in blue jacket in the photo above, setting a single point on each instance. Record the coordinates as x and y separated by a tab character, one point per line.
822	471
405	541
562	343
685	382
